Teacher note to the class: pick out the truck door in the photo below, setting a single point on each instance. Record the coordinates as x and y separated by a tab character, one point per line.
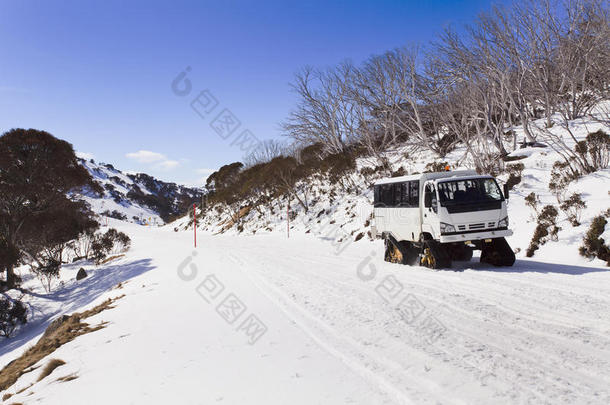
430	221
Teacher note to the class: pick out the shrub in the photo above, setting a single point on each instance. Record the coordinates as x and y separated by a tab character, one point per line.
47	270
399	172
338	166
561	177
490	163
532	201
546	229
367	172
112	241
446	144
513	158
599	149
515	172
595	150
12	313
573	207
115	214
593	245
435	167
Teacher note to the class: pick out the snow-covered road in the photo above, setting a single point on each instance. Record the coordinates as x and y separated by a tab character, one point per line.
339	328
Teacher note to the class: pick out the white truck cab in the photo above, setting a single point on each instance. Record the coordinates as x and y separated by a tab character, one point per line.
434	218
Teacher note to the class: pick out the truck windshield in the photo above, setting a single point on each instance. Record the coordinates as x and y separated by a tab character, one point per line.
469	191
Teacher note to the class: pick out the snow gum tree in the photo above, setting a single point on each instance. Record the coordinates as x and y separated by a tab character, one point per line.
38	173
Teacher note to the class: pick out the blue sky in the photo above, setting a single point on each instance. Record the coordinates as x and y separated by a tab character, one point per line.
98	73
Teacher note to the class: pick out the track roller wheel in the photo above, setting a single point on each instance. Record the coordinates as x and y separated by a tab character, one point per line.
434	255
402	252
497	253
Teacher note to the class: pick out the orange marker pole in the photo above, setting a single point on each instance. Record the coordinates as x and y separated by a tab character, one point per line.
195	224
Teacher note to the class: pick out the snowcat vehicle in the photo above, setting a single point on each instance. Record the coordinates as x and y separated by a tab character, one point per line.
432	219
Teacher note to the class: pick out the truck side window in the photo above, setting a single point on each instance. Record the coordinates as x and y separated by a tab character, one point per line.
387	195
376	196
429	189
414	193
397	195
404	188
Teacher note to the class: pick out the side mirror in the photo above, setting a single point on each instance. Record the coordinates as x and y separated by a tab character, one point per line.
428	199
506	191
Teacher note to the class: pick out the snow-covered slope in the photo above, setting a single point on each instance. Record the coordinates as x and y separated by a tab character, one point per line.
342	217
137	198
334	332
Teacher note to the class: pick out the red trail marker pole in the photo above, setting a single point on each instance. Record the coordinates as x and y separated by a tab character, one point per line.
195	224
288	221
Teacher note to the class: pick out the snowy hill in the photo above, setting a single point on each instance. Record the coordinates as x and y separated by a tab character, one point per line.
138	198
345	217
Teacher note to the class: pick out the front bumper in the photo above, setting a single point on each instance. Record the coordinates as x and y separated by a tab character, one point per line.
463	237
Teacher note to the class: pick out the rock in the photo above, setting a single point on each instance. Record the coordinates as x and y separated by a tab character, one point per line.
53	326
81	274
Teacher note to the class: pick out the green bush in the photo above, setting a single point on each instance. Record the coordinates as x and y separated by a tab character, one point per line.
546	229
561	176
111	242
531	200
515	172
593	245
573	207
595	150
12	313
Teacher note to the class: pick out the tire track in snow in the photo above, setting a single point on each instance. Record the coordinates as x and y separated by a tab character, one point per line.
526	358
348	350
391	363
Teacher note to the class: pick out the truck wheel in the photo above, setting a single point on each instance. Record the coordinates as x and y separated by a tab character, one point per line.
435	255
497	253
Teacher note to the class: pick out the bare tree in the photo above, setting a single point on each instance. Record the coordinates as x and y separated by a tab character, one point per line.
324	113
265	151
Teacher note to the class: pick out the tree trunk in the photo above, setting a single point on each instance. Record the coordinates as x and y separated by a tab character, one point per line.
10	277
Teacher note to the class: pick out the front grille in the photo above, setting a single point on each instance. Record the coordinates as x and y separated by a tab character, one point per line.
476	226
491	224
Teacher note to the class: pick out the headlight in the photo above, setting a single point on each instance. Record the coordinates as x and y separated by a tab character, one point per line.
447	228
503	222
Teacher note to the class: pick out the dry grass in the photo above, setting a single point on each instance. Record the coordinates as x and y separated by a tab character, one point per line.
6	396
67	378
23	389
236	217
69	330
48	369
109	259
29	370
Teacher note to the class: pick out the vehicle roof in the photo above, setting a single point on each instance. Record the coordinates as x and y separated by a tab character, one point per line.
433	176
